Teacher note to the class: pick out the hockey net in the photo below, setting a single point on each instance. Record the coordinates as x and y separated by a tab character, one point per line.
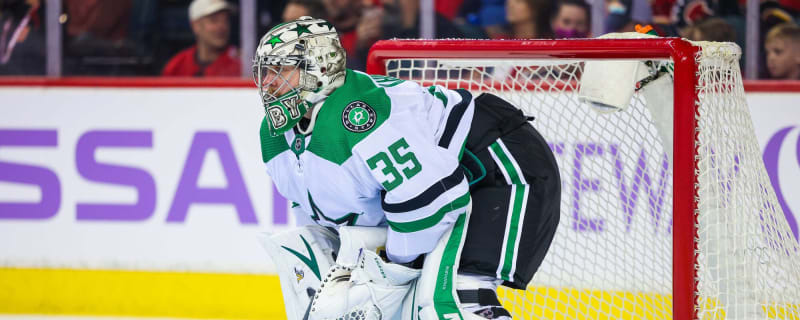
649	229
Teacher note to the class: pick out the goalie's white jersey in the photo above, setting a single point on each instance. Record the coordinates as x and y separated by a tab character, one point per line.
383	151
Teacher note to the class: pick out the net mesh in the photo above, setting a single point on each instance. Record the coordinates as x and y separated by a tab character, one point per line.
611	257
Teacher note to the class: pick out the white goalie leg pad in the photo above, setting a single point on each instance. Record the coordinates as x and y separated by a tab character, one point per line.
436	296
368	287
301	256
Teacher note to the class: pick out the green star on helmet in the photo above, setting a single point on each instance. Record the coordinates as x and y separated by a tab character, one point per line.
301	29
276	39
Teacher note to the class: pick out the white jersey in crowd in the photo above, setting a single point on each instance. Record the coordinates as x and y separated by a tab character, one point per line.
383	152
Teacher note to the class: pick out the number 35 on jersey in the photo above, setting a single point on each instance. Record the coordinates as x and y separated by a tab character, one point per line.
397	163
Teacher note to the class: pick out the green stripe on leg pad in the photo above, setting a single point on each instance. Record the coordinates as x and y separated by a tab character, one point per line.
444	294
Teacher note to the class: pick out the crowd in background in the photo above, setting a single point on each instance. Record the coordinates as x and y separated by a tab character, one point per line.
201	37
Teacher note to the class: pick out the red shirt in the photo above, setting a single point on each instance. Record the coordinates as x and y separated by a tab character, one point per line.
184	64
348	41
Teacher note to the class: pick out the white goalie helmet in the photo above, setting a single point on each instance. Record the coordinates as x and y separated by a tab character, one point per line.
305	49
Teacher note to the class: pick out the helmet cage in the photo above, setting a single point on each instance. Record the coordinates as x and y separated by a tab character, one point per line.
282	101
271	75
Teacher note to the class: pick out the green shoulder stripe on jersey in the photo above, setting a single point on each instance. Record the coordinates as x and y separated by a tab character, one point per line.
333	141
271	146
385	81
434	90
432	220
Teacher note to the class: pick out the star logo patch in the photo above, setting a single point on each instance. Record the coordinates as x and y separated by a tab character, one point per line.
358	117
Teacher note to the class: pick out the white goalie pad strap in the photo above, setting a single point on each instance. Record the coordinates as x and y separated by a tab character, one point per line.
301	256
374	289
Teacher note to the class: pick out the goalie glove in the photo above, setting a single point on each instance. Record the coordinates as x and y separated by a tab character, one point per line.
373	289
300	256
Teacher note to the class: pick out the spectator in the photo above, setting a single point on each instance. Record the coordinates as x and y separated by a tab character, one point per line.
783	52
371	27
345	15
269	13
711	29
211	55
572	19
22	46
448	9
297	8
471	19
392	19
664	17
492	18
96	37
410	21
97	20
772	14
694	12
529	19
619	17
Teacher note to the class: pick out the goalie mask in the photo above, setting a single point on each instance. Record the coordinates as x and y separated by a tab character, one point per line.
297	65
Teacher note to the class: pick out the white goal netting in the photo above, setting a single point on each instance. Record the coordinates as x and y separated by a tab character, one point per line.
612	256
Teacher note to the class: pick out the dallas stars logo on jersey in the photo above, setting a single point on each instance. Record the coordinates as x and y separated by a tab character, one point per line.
358	117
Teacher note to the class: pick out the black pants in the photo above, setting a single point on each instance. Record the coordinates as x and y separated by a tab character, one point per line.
516	194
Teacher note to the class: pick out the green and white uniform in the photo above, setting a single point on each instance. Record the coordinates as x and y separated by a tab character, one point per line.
383	151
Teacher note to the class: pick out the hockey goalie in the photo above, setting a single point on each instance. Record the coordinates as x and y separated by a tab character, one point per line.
414	202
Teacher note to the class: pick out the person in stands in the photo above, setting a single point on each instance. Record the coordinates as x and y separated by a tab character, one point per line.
211	56
298	8
572	19
783	52
529	19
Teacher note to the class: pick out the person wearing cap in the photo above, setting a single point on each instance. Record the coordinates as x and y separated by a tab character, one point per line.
211	56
